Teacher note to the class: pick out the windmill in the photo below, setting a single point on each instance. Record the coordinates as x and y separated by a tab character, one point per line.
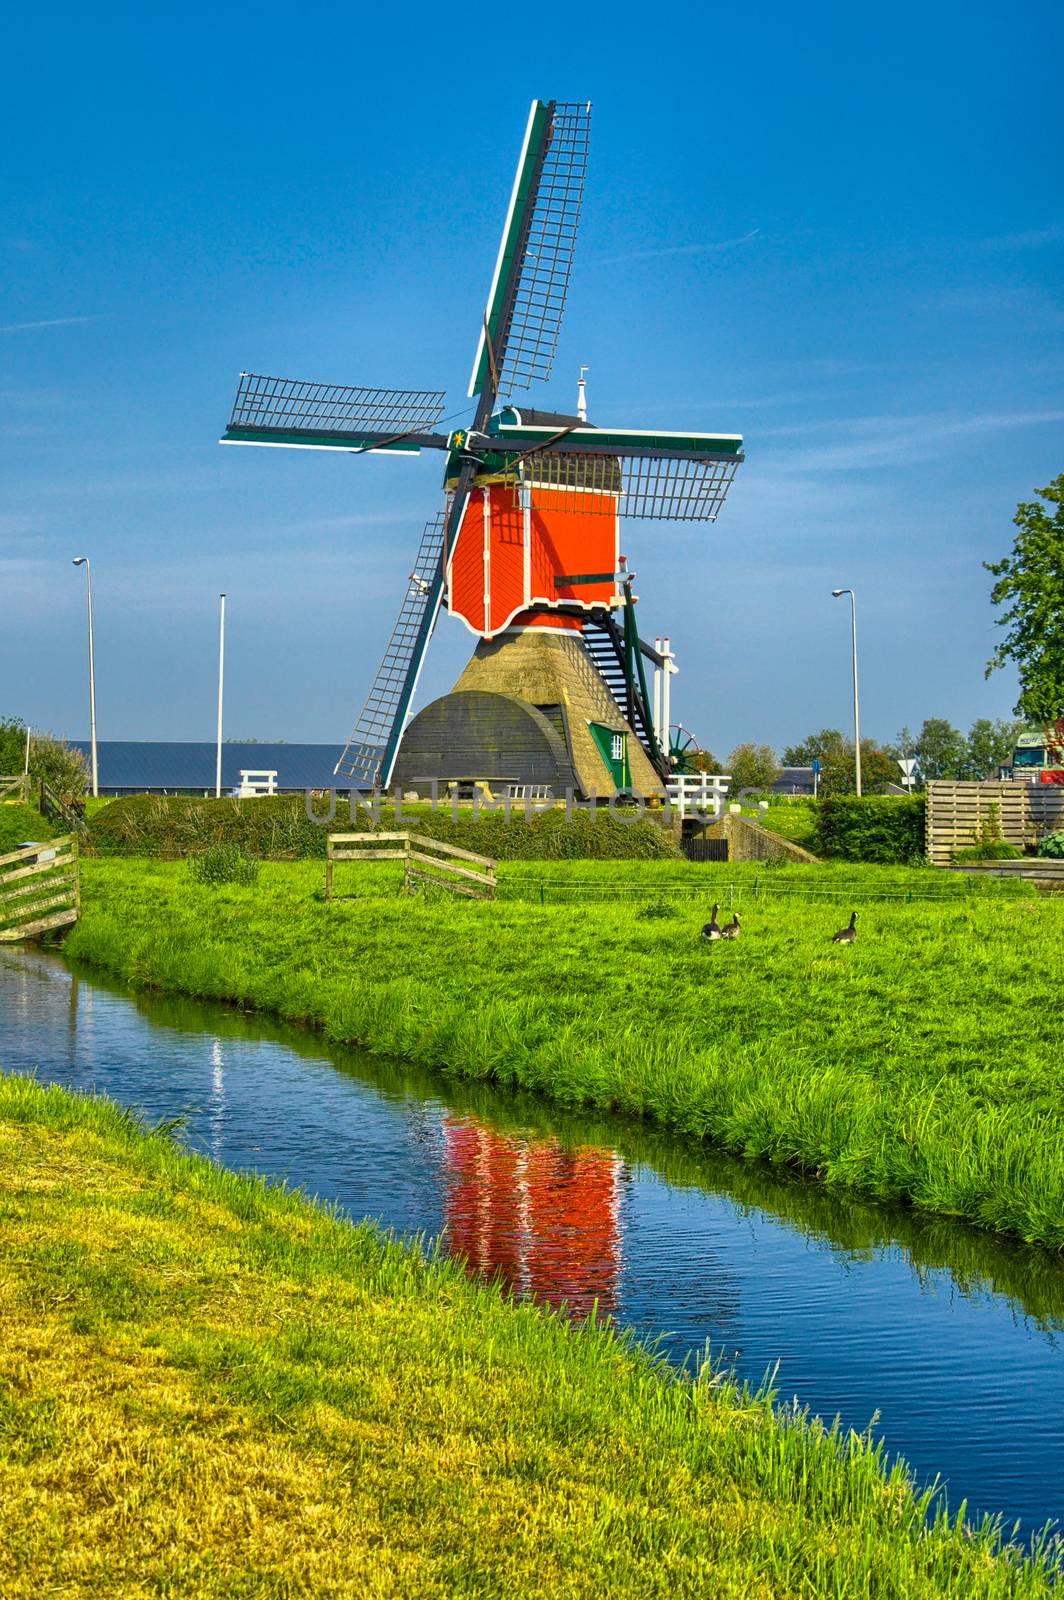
526	548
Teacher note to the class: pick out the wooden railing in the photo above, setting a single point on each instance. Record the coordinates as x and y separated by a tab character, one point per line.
17	788
39	888
64	813
436	863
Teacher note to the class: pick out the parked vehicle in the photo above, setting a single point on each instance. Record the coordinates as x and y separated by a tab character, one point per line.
1036	758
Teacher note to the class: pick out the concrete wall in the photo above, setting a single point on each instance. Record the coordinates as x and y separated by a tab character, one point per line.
748	841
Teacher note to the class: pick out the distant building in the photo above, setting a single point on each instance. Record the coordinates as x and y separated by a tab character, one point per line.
129	766
794	780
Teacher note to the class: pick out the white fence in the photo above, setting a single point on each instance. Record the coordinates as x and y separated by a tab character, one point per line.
698	793
256	781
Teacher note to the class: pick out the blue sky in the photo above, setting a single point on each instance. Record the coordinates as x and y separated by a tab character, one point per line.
836	229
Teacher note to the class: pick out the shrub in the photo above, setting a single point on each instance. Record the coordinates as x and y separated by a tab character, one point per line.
992	850
1053	845
223	863
878	828
63	768
277	828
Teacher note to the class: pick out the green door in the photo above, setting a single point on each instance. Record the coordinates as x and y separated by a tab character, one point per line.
613	747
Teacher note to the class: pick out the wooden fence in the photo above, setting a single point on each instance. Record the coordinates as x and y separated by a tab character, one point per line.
956	812
424	860
16	788
39	889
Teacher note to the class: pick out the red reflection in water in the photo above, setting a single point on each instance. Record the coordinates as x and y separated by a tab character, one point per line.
542	1218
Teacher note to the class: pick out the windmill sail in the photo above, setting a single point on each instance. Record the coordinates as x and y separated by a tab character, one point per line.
528	291
332	415
371	750
669	488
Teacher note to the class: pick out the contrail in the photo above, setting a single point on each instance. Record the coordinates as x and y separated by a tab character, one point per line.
54	322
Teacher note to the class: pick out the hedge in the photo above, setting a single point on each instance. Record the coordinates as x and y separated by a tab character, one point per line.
884	829
277	828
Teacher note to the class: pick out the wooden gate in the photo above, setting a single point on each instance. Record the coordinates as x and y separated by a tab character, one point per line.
435	861
16	788
39	889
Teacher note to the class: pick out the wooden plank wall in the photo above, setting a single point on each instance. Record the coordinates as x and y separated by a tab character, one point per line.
957	811
1046	803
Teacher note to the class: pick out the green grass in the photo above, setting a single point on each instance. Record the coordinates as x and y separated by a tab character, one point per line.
795	820
19	823
213	1389
922	1064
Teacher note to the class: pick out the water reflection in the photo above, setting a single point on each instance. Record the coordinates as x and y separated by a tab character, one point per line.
543	1219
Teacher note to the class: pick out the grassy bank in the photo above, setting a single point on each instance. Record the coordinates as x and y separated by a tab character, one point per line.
19	823
921	1064
210	1388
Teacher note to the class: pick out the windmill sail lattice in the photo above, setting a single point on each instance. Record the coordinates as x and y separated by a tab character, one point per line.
547	260
396	679
670	488
294	407
527	299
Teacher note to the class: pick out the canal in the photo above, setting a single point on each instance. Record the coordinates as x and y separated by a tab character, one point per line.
949	1338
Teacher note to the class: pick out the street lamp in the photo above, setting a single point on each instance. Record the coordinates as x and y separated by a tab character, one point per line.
856	705
83	561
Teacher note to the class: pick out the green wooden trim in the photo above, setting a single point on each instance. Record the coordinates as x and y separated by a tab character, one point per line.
583	577
524	196
617	440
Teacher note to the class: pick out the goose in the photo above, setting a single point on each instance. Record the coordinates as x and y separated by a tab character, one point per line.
732	930
848	934
711	930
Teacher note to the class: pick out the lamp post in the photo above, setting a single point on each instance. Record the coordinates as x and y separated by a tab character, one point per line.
221	683
856	703
83	561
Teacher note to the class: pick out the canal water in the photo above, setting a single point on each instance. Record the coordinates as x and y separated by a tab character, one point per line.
953	1340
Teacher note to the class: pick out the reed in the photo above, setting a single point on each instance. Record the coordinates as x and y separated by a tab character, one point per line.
212	1388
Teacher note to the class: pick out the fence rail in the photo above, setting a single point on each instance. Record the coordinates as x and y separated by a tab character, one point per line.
64	813
437	863
16	788
39	889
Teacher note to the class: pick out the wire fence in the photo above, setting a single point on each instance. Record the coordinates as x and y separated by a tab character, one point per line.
734	891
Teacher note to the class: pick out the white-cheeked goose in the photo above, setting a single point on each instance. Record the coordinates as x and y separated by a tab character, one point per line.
848	934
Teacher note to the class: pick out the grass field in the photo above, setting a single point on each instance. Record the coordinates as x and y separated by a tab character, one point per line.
921	1064
213	1389
19	823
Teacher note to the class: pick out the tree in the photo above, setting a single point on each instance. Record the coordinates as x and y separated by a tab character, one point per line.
941	750
753	766
990	746
62	767
814	748
1030	584
838	769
